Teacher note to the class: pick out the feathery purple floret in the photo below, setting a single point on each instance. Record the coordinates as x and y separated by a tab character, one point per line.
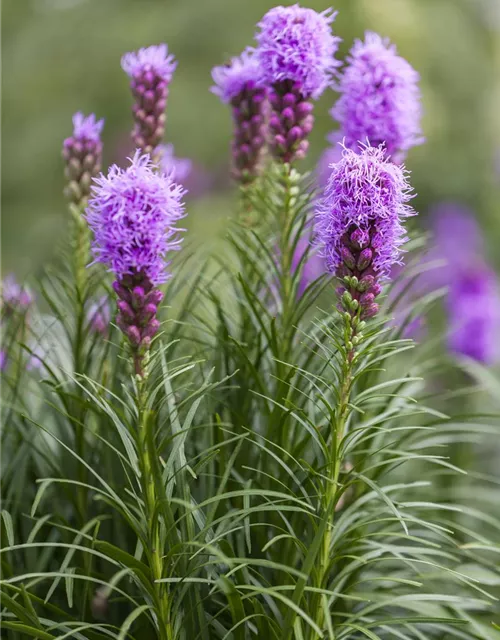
133	213
380	98
473	299
154	59
82	153
359	221
296	54
241	84
15	297
233	78
178	168
296	44
151	71
473	306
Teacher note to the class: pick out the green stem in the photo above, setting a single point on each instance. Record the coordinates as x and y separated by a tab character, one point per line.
146	460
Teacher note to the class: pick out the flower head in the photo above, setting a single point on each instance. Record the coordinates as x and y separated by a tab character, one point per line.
87	127
154	60
178	168
380	98
15	296
82	153
133	213
99	315
236	76
363	206
296	44
473	305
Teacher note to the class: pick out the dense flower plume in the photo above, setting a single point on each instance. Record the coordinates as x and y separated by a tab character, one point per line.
133	213
473	298
15	297
241	83
82	153
151	70
473	306
295	44
359	221
178	168
380	98
296	51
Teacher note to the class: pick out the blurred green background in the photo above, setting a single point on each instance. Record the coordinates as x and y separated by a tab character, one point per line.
60	56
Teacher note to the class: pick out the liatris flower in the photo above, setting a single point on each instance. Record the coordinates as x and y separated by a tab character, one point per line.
473	300
331	155
380	98
133	213
15	297
241	84
296	53
313	266
178	168
3	360
359	224
99	315
151	71
82	153
473	306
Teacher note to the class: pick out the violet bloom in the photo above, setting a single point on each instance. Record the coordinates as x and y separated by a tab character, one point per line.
82	153
151	70
359	223
15	297
473	306
133	214
473	300
296	51
380	98
240	83
330	156
178	168
3	360
313	266
99	315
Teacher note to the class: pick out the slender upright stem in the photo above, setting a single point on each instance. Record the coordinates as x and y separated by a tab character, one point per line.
146	443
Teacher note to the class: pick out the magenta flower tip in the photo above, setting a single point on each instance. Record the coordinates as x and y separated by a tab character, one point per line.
366	197
380	97
296	44
233	78
87	127
155	59
133	213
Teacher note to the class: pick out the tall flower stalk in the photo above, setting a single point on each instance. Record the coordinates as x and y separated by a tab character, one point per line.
359	225
240	83
133	214
295	51
150	70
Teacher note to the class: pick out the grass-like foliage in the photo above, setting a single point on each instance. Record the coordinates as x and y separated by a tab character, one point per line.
273	464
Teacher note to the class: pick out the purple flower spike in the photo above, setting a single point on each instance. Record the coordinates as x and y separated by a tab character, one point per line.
380	98
296	51
3	360
359	224
15	297
473	306
473	299
82	153
178	168
133	213
151	70
99	316
241	84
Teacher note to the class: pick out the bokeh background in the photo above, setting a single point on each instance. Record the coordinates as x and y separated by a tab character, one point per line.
60	56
